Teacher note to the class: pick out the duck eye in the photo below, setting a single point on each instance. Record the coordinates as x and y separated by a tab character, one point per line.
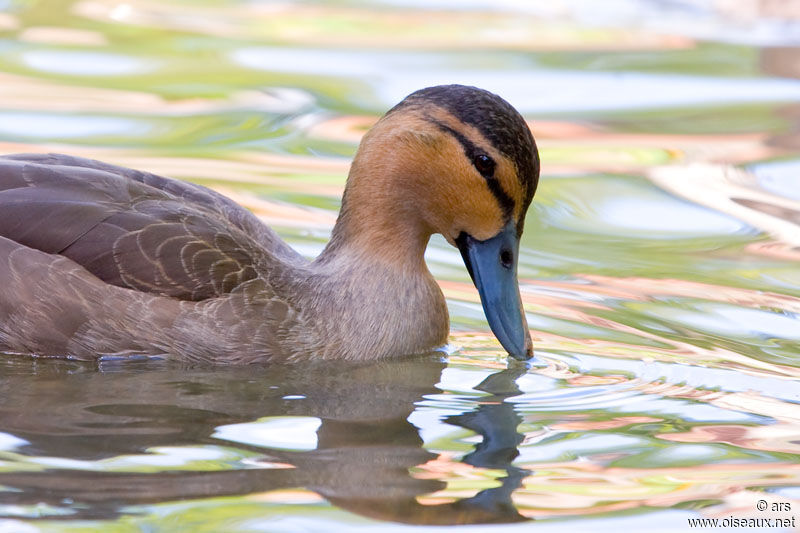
484	164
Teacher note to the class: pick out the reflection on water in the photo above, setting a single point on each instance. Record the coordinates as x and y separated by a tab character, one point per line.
540	90
169	434
26	125
81	63
779	177
659	268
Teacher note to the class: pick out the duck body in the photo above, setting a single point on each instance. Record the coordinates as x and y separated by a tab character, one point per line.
100	261
137	264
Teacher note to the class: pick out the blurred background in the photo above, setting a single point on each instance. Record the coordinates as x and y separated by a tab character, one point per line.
660	265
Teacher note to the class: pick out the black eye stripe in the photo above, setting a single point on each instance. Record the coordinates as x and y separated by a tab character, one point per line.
472	152
470	149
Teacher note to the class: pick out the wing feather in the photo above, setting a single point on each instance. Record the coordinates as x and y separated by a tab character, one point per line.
133	229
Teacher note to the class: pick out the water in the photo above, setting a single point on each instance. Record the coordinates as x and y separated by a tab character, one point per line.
659	269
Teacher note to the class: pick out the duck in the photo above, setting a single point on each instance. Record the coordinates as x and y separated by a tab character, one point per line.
99	261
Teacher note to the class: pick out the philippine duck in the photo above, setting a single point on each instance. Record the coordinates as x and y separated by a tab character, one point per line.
98	260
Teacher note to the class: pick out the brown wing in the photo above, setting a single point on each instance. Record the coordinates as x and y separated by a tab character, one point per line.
134	229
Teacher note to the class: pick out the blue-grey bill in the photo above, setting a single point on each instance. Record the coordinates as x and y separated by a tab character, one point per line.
492	264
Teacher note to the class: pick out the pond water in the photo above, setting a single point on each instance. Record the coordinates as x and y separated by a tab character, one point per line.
660	269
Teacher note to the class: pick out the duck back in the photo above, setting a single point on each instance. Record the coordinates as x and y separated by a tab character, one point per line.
134	229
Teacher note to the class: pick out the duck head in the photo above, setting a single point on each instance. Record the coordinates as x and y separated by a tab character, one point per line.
459	161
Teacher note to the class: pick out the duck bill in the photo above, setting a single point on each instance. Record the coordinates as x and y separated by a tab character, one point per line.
492	264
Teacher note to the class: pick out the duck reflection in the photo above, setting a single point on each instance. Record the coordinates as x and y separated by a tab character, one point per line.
365	443
496	421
